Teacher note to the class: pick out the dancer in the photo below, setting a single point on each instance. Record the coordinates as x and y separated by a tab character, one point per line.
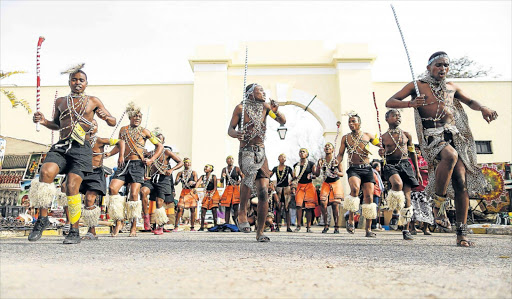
94	184
133	172
71	155
331	192
159	185
398	171
283	173
232	176
359	173
188	197
211	196
446	141
305	195
252	159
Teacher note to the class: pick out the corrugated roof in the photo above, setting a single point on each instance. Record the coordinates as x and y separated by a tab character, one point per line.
15	146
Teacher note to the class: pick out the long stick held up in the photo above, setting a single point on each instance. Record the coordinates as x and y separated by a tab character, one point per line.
407	53
241	128
38	93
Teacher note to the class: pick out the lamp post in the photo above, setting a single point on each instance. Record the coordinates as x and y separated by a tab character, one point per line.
282	132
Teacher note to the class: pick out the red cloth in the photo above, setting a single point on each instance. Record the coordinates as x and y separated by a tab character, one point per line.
376	188
422	163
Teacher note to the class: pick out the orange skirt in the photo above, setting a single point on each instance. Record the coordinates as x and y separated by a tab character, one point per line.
210	202
305	196
188	199
333	191
230	196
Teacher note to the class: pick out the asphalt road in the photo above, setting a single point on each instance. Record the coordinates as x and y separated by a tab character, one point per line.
234	265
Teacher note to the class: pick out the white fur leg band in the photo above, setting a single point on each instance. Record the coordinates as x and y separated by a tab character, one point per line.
396	199
369	211
351	203
62	199
133	210
406	214
116	207
160	216
90	217
41	194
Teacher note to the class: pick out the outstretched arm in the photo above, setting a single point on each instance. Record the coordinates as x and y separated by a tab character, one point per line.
396	101
103	113
487	113
279	117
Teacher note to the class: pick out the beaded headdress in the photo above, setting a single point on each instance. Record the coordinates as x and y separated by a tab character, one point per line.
304	149
251	90
437	57
209	166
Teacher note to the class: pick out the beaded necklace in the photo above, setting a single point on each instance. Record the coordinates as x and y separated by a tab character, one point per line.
440	92
354	148
328	168
255	112
303	169
230	179
185	177
76	109
136	134
281	176
397	142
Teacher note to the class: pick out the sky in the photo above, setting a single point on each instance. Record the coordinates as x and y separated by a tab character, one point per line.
150	42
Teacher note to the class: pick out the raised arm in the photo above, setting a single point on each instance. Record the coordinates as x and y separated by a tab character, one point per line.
103	113
397	100
487	113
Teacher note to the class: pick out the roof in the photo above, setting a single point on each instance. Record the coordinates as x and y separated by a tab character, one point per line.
15	146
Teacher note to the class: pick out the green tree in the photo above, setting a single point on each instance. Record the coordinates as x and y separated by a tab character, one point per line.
15	102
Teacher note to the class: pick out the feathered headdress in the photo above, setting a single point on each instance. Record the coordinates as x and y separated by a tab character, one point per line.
74	69
132	109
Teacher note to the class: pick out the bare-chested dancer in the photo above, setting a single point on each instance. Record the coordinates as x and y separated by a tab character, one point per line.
251	158
133	173
232	176
284	193
188	197
95	183
71	155
397	170
159	185
446	141
359	173
331	192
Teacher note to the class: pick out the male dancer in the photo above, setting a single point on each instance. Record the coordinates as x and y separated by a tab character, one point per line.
446	141
71	155
283	173
133	173
397	170
230	198
331	192
159	185
359	173
188	197
95	183
252	159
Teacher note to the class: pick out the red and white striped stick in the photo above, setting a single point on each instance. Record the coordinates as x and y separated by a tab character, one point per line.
53	110
38	66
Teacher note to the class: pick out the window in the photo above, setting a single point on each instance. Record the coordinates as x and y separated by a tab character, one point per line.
483	147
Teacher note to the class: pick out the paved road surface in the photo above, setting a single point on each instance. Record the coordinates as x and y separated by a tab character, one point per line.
202	264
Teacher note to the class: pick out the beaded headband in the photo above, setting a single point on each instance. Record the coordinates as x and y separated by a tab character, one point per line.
330	144
304	149
282	155
186	160
209	166
437	57
230	157
251	90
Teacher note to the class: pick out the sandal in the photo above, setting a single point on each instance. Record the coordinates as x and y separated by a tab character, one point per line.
371	234
462	231
308	230
336	230
263	239
350	228
89	236
244	227
325	230
66	228
407	235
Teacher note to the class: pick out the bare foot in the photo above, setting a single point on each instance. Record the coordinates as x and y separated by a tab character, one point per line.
117	228
133	234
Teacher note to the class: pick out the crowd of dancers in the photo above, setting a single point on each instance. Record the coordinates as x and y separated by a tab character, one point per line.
441	127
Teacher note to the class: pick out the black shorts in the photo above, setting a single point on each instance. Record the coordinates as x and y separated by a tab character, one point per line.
71	157
159	186
132	172
403	168
363	172
95	181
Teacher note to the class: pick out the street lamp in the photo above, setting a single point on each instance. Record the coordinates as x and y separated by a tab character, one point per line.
282	132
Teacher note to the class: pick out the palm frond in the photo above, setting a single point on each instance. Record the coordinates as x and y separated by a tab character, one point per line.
15	102
8	74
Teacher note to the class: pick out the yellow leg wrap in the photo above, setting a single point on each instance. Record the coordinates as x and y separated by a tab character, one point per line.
440	202
74	208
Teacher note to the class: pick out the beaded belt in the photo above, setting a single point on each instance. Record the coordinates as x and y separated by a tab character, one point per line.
360	165
252	148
